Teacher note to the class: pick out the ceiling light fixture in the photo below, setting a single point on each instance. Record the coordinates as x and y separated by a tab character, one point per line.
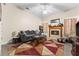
44	9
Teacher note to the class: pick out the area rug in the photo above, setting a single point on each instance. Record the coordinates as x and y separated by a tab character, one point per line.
48	48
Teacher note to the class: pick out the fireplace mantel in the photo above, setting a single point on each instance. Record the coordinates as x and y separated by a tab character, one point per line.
60	28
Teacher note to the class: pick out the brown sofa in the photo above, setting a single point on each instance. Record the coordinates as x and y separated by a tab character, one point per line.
75	47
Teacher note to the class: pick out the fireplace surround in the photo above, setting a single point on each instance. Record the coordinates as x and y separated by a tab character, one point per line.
55	31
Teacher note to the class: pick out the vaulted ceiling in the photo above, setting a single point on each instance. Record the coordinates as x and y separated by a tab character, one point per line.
42	10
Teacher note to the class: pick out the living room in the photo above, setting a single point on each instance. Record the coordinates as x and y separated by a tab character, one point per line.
53	23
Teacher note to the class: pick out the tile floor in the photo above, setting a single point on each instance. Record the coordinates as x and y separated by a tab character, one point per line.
67	49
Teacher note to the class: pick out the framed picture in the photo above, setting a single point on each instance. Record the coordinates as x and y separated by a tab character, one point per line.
55	21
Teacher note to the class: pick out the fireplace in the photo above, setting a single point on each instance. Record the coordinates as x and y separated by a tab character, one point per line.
55	31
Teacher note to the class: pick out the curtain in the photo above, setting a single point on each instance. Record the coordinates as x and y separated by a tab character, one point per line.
70	27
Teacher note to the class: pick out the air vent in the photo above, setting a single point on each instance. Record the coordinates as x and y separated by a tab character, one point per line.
27	8
4	3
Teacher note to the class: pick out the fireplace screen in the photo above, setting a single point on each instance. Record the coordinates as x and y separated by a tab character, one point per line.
55	32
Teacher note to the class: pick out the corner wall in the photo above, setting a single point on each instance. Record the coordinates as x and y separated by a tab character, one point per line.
64	15
0	37
14	19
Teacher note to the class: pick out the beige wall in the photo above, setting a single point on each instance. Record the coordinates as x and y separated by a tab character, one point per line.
0	30
62	16
0	38
0	21
14	19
